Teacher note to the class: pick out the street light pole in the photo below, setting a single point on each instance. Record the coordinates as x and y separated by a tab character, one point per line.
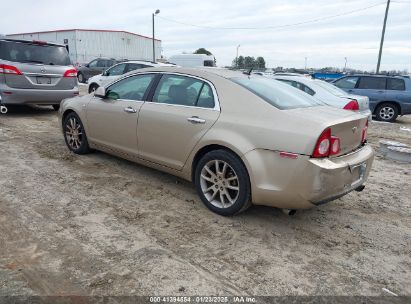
154	48
382	36
305	68
345	64
236	57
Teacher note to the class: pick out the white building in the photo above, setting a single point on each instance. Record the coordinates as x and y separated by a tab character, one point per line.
86	45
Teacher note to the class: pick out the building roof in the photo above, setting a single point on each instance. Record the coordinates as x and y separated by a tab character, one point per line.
84	30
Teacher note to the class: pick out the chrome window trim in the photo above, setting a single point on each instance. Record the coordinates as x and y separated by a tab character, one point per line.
215	95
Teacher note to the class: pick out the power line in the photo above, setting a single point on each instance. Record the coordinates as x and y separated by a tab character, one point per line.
276	26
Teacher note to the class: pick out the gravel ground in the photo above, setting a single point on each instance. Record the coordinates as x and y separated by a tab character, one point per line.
100	225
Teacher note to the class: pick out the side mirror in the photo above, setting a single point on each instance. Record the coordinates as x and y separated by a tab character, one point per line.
87	65
100	92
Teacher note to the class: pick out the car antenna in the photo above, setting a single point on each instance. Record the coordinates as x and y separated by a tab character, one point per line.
248	72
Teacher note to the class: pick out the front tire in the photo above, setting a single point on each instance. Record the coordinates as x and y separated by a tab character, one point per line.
92	87
222	182
75	134
386	112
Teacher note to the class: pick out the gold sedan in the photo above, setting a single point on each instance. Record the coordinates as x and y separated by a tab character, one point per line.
241	139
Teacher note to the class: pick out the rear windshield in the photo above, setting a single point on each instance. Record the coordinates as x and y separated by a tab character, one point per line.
330	88
34	53
278	94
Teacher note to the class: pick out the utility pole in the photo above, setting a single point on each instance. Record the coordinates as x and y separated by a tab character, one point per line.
236	57
382	37
305	66
154	48
345	64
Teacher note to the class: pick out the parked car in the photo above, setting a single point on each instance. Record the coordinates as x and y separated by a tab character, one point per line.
119	69
241	139
35	72
94	67
193	60
389	96
328	93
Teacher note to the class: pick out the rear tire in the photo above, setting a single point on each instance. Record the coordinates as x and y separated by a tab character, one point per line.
81	78
92	87
56	107
222	182
386	112
75	134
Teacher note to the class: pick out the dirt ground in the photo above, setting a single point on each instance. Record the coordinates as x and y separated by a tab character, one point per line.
100	225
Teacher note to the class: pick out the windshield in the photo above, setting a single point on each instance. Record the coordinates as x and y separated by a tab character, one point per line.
278	94
330	88
34	53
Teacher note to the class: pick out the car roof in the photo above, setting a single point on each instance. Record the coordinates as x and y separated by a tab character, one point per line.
379	75
198	72
5	38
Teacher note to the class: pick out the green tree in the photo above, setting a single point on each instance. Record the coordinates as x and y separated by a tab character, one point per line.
249	62
260	62
238	62
203	51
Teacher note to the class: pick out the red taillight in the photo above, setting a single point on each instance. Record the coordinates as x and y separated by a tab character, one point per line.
9	69
352	105
364	133
322	147
70	73
327	145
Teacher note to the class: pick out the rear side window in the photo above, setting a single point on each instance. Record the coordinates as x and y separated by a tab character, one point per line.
34	53
395	84
347	82
276	93
373	83
135	66
116	70
183	90
299	86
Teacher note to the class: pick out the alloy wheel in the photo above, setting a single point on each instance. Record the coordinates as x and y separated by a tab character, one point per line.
74	133
219	183
387	113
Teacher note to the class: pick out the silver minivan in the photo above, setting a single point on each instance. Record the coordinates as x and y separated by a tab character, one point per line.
35	72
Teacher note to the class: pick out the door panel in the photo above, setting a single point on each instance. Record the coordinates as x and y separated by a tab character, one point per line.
168	133
114	123
112	120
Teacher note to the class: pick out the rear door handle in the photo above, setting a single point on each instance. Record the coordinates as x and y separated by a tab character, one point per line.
130	110
196	120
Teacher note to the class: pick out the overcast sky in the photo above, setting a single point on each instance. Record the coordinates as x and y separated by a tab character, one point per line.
325	43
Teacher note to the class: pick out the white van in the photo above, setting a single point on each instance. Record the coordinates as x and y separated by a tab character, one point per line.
192	60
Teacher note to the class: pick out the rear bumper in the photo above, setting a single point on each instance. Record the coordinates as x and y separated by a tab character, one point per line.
305	182
31	96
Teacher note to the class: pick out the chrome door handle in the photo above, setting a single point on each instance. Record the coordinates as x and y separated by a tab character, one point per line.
196	120
130	110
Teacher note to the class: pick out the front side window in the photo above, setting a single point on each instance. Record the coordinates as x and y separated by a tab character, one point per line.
277	93
131	88
395	84
347	82
373	83
183	90
116	70
93	64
